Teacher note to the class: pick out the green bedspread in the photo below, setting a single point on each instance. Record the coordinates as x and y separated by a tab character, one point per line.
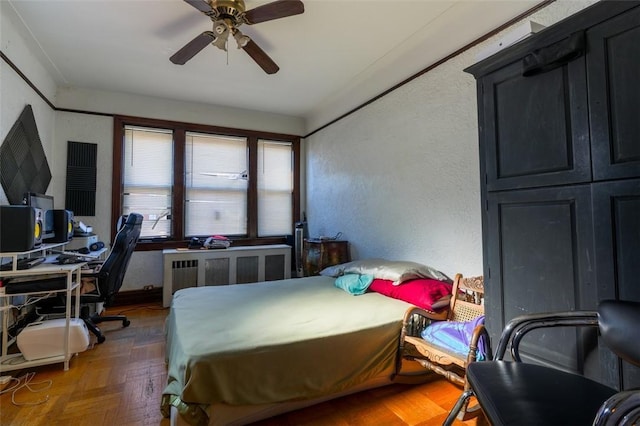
276	341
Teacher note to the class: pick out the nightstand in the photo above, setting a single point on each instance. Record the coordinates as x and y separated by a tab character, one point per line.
318	254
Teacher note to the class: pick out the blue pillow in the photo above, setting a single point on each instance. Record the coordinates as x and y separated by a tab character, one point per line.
456	336
354	283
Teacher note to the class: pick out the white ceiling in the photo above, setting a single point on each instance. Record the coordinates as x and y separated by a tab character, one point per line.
335	56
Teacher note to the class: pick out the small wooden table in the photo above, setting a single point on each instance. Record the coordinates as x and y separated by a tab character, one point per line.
318	254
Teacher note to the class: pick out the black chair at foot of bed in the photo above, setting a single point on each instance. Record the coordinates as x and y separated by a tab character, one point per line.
520	393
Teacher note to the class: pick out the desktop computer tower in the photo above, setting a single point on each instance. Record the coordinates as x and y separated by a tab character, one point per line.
62	226
20	228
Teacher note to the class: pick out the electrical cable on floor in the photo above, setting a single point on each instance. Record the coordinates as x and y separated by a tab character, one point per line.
28	302
26	381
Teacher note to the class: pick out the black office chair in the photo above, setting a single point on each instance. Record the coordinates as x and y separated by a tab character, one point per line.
518	393
109	274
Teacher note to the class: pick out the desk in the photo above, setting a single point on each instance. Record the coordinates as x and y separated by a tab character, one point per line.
72	273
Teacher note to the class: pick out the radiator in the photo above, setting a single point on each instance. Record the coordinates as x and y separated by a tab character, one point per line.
184	273
234	265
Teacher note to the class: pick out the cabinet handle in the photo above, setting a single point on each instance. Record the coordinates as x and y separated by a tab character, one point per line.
553	56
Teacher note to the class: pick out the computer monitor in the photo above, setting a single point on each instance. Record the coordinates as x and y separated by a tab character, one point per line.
45	203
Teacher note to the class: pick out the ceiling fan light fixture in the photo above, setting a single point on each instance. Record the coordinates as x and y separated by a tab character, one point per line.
219	27
220	43
241	39
221	31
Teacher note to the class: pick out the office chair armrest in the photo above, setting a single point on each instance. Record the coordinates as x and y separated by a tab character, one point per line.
622	409
518	327
92	267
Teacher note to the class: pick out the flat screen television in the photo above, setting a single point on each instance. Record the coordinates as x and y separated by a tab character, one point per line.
44	202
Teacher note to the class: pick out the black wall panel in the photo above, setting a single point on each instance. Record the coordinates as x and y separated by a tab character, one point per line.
540	260
617	234
536	127
615	92
23	164
80	196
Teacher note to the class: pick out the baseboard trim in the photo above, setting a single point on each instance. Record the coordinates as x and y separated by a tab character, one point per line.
137	297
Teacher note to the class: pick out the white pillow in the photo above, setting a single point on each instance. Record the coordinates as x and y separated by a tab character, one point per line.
397	271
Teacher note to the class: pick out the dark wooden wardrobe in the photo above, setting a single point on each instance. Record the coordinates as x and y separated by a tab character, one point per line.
559	124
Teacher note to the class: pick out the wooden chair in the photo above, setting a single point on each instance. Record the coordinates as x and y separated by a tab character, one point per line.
466	304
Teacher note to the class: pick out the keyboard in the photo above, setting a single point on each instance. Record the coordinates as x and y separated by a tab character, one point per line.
66	259
24	263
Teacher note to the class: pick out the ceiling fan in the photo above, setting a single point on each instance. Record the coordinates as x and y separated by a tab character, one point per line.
227	16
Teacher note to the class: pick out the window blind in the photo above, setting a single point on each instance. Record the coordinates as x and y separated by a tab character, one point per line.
148	177
216	184
275	188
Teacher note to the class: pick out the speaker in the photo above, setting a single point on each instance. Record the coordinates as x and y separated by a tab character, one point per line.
62	226
20	228
98	245
301	233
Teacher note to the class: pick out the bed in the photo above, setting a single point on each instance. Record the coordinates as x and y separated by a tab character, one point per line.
240	353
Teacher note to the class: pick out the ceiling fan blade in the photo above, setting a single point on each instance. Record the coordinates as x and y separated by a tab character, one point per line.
190	49
275	10
202	5
261	58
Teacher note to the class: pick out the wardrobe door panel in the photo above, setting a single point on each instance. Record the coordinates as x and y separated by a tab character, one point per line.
613	71
616	213
540	253
535	128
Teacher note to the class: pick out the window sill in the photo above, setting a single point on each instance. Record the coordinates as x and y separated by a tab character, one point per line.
161	245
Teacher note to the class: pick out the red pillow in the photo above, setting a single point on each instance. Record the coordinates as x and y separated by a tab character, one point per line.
421	292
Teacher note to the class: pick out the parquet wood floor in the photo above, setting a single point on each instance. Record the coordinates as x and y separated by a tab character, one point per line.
120	382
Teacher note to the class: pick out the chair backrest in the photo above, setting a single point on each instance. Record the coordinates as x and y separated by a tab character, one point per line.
467	300
113	269
618	323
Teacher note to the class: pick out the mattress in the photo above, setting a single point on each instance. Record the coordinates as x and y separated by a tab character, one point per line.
277	341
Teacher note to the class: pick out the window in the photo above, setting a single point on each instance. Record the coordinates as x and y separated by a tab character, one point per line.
215	185
148	178
194	181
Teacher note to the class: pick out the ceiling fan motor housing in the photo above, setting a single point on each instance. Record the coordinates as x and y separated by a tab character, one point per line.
229	9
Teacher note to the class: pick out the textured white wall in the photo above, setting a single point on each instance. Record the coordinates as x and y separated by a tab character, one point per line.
72	127
400	177
167	109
